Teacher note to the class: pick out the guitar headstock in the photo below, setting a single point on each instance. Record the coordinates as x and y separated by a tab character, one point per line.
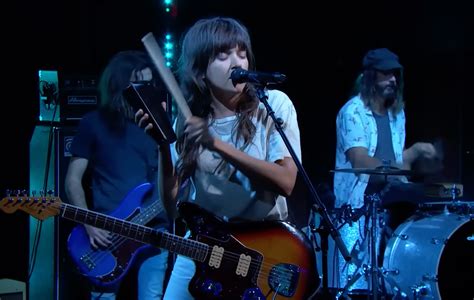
41	207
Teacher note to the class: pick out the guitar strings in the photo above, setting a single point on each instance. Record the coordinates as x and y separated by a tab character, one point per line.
100	254
264	268
233	257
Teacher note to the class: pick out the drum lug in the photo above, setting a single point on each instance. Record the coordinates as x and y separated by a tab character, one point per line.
387	272
403	237
437	241
420	290
429	277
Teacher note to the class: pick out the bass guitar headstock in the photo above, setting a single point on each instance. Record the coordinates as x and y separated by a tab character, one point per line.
40	207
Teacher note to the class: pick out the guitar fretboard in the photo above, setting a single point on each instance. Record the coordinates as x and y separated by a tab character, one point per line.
190	248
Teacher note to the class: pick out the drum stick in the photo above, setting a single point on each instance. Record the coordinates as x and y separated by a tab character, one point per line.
157	57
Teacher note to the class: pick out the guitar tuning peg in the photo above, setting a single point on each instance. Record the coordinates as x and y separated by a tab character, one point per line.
24	193
50	192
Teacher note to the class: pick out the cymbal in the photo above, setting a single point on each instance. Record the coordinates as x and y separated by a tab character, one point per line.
382	170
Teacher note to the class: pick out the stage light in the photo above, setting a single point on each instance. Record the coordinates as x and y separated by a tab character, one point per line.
168	47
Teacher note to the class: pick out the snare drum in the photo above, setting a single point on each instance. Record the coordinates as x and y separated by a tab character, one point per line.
431	256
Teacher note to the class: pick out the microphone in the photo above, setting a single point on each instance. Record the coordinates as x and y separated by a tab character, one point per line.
240	75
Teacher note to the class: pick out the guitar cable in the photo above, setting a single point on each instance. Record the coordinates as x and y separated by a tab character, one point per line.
35	249
39	225
276	292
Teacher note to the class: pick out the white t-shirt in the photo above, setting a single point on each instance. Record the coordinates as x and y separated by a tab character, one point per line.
225	191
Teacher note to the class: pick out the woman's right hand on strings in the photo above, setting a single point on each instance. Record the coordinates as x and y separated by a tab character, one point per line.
197	131
98	237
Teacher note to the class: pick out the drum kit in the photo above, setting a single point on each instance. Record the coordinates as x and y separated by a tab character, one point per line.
430	255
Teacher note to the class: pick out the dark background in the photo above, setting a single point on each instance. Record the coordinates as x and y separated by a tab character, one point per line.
318	45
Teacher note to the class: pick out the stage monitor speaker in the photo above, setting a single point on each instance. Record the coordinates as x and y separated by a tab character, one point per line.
53	274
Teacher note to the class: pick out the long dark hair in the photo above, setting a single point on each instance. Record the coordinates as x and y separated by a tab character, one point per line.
200	45
365	85
114	79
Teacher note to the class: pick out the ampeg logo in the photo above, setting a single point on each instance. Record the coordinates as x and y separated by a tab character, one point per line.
82	100
67	145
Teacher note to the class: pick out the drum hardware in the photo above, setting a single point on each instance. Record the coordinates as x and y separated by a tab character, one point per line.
437	241
420	290
428	256
381	170
348	215
372	270
362	271
434	258
444	190
388	272
400	236
396	290
448	207
453	191
365	271
374	201
429	277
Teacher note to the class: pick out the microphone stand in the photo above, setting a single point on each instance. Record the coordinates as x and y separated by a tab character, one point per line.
317	206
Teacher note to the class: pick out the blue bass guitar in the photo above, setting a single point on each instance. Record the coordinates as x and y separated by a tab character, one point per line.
106	265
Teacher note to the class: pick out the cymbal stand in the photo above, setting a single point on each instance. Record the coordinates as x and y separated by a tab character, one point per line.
371	270
373	234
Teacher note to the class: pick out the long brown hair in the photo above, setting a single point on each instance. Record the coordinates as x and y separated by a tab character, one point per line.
365	84
200	45
114	79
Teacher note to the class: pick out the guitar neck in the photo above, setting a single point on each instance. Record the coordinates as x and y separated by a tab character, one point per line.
148	213
190	248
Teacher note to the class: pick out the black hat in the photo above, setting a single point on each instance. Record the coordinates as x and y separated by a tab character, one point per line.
381	59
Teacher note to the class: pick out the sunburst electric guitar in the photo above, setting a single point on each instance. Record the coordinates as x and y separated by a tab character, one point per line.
248	261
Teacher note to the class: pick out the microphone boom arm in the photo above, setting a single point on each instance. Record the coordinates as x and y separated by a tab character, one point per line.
240	75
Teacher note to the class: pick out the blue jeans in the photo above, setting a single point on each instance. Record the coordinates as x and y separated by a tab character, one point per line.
183	271
151	277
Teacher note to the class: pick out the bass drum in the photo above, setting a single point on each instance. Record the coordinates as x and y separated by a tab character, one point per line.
431	256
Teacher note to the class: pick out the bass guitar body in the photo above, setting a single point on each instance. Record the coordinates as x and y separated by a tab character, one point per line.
106	266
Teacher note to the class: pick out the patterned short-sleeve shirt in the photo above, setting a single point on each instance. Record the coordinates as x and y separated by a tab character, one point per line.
356	127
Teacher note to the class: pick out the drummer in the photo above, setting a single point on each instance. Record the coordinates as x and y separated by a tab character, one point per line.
370	134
